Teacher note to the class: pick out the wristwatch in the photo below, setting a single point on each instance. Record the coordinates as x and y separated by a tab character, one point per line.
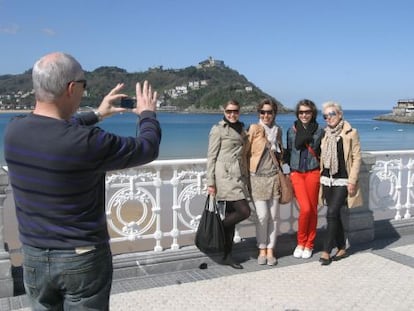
98	115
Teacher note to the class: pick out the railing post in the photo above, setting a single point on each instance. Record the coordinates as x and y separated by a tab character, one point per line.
360	224
6	280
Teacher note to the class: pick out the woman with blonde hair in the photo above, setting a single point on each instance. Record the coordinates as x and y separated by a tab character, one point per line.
340	165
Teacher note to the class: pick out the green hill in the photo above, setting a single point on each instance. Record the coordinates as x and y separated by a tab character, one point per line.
201	88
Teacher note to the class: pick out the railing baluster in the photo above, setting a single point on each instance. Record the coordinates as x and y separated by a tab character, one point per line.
409	195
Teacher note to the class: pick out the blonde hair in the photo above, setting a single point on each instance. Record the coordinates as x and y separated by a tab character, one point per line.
333	104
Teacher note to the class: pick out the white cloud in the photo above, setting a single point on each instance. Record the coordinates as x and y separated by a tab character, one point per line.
48	31
11	30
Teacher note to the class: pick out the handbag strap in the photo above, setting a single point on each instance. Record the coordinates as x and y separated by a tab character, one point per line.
207	205
312	152
273	156
310	149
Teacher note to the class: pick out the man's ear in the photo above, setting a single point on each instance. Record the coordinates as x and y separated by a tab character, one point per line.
70	89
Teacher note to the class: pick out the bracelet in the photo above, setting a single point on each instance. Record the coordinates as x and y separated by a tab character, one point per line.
98	115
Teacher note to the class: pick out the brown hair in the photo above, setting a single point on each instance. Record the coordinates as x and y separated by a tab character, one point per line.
232	102
310	104
267	101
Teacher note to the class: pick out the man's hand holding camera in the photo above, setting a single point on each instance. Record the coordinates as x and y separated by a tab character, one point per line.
146	100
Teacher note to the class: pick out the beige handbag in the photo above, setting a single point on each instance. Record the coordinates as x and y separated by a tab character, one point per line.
286	188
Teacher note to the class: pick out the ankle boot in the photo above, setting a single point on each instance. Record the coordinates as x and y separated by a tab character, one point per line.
229	261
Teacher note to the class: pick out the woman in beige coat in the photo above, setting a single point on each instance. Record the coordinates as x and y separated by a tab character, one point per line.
265	140
340	165
227	172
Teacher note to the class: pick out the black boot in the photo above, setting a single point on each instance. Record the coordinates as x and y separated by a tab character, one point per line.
229	261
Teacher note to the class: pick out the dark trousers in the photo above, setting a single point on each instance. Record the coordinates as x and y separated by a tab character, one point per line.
335	197
236	211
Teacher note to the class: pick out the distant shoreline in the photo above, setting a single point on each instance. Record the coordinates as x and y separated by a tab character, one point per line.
394	118
16	111
385	117
158	110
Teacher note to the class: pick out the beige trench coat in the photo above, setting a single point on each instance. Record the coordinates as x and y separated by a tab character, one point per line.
227	162
352	154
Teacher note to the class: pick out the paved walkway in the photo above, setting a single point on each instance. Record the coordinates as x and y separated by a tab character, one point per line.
377	276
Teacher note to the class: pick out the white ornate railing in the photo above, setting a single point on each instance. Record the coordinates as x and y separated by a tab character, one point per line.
391	183
164	199
158	205
141	201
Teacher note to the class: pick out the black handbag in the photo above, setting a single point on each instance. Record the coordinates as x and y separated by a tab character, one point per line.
210	236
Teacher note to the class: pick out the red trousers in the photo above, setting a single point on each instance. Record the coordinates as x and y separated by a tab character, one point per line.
306	187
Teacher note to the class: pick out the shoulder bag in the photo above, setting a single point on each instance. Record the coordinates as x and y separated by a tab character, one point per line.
286	188
210	237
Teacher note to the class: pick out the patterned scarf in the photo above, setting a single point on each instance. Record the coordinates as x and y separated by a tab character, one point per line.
271	134
330	153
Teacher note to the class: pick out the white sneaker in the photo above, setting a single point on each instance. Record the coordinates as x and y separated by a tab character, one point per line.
307	253
298	252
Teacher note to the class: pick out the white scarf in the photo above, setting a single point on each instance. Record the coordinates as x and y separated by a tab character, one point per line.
271	134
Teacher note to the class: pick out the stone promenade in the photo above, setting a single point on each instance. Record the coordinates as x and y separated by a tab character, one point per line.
376	276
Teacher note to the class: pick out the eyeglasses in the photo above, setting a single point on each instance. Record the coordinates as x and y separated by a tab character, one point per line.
230	111
80	81
263	112
305	112
330	114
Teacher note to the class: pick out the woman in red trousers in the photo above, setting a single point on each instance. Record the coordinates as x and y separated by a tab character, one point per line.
303	146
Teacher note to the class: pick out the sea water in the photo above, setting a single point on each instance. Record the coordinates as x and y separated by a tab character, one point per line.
185	135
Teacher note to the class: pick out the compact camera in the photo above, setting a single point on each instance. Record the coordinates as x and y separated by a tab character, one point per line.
127	102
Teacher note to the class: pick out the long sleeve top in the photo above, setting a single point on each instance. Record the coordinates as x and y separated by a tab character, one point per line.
57	173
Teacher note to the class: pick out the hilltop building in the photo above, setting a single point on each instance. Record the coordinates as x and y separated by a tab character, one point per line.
210	62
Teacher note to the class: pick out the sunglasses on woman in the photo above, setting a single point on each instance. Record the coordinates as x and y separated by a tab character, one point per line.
230	111
306	112
263	112
330	115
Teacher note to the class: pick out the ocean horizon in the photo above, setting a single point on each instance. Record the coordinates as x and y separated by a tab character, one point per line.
185	135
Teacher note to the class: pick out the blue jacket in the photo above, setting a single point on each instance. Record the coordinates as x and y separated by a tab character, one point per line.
293	154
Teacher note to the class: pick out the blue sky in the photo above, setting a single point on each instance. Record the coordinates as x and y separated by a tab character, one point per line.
357	52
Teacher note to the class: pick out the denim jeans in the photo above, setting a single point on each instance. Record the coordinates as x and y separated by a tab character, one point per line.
66	280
